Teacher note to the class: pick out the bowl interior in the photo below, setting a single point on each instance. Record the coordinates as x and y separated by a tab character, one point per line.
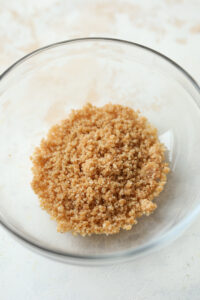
42	90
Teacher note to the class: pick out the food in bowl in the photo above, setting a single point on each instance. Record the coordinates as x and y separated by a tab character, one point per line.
99	170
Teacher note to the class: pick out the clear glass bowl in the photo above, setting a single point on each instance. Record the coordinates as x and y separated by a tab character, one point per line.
40	90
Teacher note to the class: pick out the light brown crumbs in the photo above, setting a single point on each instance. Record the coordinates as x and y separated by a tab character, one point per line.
99	170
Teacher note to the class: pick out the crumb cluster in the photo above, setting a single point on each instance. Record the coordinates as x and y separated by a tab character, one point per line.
99	170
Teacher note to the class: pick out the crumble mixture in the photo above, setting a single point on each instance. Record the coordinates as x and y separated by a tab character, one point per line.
99	170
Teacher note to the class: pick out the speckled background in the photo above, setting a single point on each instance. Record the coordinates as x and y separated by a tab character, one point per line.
172	27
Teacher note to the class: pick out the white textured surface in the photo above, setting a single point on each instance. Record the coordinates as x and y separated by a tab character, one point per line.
172	27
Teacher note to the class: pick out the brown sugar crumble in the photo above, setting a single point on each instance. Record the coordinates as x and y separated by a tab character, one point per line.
99	170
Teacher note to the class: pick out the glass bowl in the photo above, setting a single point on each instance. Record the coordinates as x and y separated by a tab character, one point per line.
40	90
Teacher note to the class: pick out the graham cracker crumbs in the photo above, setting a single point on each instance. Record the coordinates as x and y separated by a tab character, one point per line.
99	170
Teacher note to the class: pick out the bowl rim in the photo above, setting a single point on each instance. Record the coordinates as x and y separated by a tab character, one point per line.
125	254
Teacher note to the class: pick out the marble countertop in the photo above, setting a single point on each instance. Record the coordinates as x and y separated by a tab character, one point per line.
171	27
